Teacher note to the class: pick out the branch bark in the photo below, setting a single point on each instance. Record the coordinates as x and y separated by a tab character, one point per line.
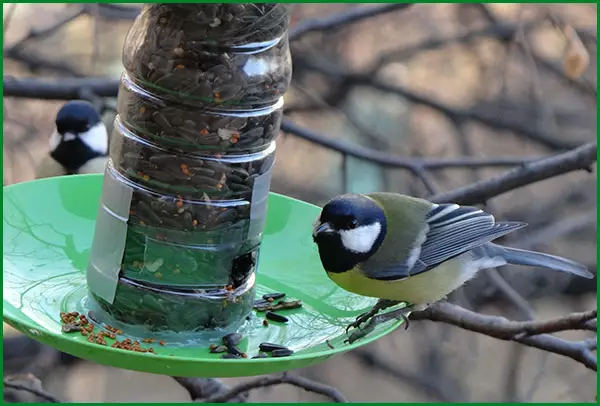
577	159
531	333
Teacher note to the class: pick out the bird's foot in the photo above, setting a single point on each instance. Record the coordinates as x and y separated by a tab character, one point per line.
374	321
363	318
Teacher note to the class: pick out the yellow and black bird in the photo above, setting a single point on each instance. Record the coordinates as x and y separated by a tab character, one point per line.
403	249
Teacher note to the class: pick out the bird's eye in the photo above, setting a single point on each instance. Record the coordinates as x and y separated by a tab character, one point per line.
353	223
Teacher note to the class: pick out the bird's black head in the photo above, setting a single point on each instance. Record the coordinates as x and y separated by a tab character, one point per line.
350	229
80	135
76	117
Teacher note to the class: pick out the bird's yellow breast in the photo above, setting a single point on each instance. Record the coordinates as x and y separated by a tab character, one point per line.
424	288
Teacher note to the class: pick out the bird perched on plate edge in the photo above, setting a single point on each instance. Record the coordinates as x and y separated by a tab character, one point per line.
79	143
404	249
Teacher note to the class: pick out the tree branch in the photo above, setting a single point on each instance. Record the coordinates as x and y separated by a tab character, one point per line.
577	159
338	20
493	120
285	378
200	388
59	89
28	383
530	333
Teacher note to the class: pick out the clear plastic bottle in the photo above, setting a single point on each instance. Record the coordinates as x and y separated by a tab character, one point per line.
184	198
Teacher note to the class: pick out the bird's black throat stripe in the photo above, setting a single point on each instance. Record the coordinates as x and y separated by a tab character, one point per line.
73	154
334	256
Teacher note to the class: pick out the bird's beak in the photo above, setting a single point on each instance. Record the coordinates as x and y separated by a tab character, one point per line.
323	228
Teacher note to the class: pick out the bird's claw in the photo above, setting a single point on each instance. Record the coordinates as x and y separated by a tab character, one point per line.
373	321
361	332
363	318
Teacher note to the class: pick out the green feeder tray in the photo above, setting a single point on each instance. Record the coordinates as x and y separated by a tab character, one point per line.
48	231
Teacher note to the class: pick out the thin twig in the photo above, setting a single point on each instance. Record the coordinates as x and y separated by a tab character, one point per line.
383	365
531	333
8	17
342	19
200	388
29	387
577	159
284	378
490	119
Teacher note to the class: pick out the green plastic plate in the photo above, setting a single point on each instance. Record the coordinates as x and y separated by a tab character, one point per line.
48	231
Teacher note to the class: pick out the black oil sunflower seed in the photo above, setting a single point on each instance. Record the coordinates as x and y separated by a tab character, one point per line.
276	317
274	296
282	353
268	347
230	356
233	339
219	349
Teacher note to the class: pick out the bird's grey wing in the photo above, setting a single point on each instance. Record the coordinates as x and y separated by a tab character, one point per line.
450	231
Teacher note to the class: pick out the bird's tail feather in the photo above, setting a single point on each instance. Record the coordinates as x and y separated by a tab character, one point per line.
516	256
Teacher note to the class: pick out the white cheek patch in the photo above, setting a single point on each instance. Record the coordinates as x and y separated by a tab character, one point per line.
96	138
361	239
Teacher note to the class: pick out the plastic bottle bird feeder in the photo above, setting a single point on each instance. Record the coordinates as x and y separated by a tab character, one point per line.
183	214
184	199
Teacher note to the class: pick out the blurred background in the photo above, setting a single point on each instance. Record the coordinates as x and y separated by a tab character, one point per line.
432	80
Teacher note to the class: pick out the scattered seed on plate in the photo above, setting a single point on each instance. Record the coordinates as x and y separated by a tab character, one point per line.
70	328
276	317
265	323
268	347
92	316
274	296
235	351
218	349
281	305
161	342
232	339
282	352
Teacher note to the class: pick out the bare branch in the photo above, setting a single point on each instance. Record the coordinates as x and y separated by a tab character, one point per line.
577	159
429	386
500	327
200	388
491	119
284	378
29	383
530	333
8	17
59	89
338	20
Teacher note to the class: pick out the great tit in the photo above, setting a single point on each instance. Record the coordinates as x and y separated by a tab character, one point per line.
404	249
78	145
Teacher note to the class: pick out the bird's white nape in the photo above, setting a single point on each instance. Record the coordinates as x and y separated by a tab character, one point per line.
360	239
96	138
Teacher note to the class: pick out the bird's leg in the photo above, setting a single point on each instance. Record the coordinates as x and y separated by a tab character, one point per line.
363	318
379	319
